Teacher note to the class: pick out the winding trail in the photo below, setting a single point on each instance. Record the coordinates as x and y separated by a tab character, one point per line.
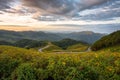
41	49
88	50
47	46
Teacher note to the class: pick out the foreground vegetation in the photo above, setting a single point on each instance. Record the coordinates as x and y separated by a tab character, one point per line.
22	64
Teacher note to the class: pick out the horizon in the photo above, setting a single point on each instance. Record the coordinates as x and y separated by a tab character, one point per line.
17	28
57	32
99	16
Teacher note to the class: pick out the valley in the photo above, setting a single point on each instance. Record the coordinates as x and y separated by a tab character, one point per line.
66	59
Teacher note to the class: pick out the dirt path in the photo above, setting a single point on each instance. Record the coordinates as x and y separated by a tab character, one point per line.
47	46
41	49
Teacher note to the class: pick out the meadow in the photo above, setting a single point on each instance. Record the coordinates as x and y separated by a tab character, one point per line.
22	64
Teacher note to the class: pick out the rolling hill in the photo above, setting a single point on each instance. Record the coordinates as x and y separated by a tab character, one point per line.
5	43
53	48
65	43
80	47
27	43
47	46
110	40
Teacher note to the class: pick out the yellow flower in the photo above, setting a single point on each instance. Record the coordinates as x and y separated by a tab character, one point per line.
63	63
109	68
52	62
97	64
96	56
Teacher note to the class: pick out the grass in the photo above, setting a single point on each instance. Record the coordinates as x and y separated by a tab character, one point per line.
77	48
22	64
74	48
52	48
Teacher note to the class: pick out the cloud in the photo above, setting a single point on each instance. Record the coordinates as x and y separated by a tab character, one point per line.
9	6
57	10
61	7
107	11
1	21
5	4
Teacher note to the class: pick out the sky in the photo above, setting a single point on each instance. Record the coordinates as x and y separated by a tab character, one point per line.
102	16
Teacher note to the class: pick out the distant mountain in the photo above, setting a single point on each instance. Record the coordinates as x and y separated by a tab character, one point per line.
33	35
110	40
85	36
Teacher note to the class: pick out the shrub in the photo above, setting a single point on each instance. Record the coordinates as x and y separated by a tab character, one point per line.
26	72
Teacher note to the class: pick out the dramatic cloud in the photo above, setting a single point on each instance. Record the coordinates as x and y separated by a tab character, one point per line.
54	10
61	7
107	11
5	4
40	14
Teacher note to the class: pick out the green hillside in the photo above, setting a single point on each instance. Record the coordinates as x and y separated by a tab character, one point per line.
78	47
112	39
27	43
23	64
52	48
65	43
58	46
5	43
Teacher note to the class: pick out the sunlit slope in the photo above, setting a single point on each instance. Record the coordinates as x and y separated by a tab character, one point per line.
52	48
78	47
74	48
23	64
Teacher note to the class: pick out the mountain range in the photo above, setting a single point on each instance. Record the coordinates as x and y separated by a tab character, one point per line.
86	36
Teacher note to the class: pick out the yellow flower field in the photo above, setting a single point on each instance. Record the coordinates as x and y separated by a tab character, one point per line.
22	64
